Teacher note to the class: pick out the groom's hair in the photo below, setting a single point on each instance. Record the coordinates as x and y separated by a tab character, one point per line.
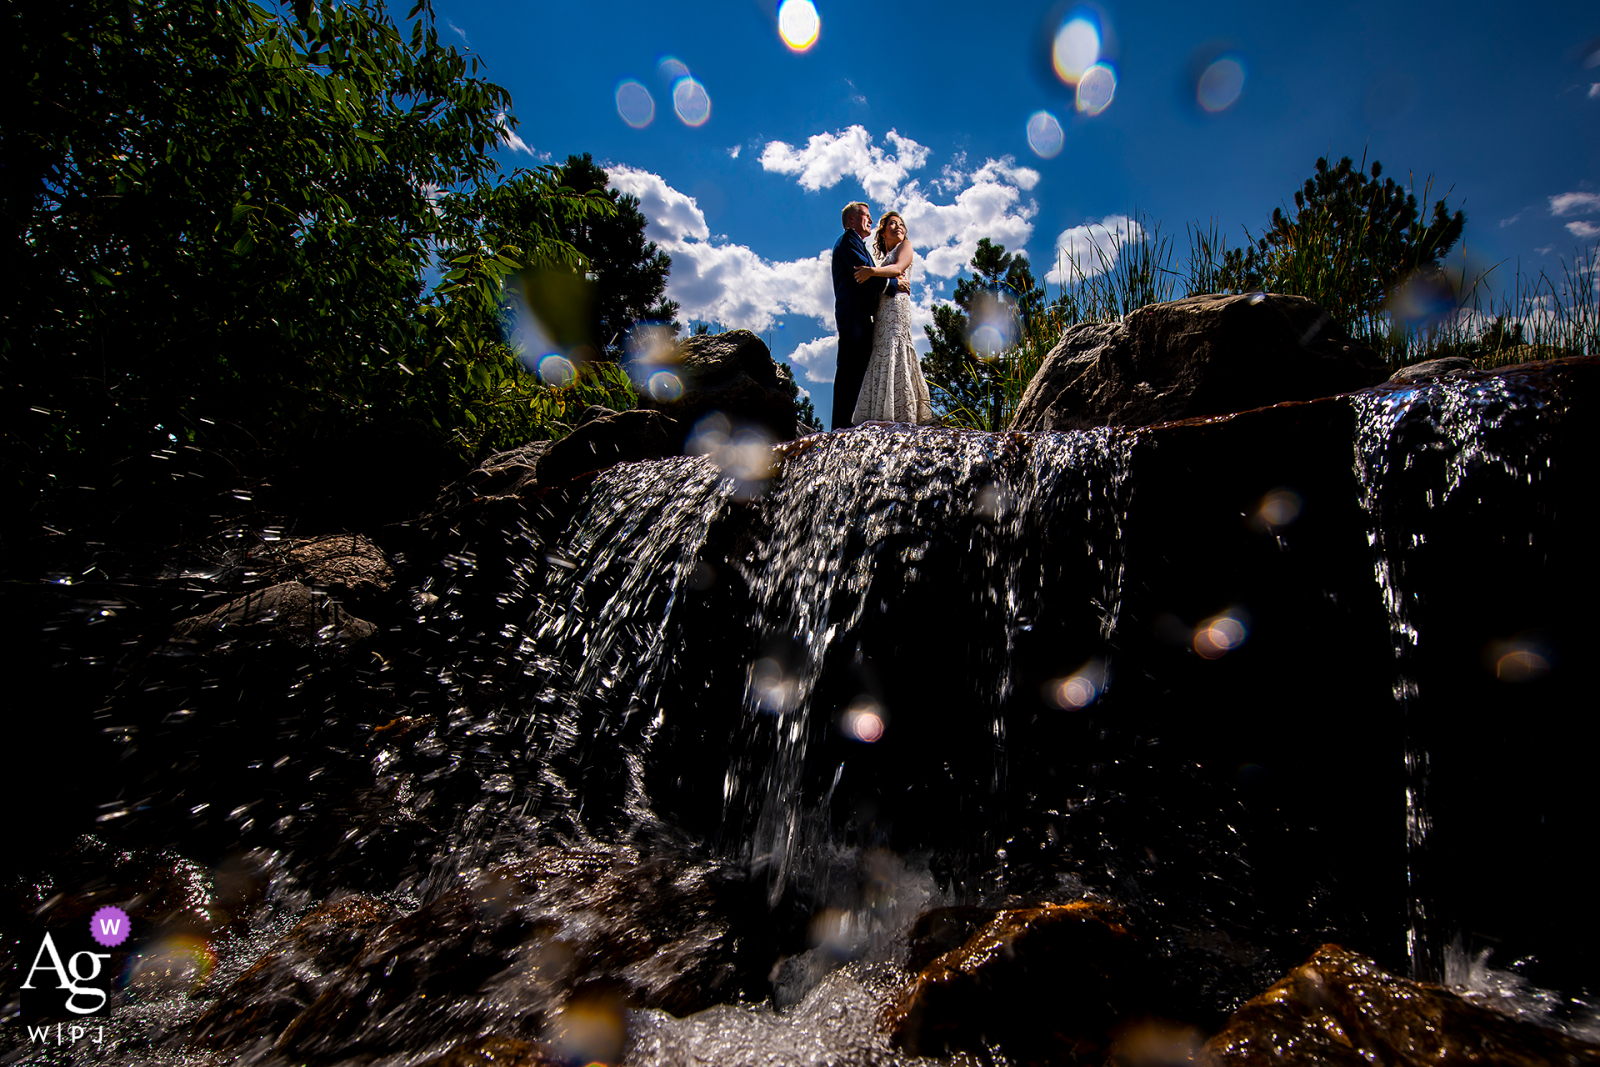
850	209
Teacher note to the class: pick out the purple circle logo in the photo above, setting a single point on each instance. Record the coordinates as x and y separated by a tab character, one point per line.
109	926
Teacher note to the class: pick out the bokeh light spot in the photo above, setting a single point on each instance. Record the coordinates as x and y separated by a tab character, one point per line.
864	720
1220	84
1079	689
691	101
775	692
1044	135
1519	660
665	386
635	104
1096	88
744	454
1279	508
1221	634
798	24
671	68
1077	48
556	369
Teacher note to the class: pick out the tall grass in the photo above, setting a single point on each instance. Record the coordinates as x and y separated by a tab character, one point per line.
1450	311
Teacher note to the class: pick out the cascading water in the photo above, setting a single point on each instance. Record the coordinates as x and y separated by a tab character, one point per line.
767	722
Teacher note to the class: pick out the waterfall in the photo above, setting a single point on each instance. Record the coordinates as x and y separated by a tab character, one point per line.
1419	450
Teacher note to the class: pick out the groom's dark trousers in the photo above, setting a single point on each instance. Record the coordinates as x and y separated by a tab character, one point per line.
853	306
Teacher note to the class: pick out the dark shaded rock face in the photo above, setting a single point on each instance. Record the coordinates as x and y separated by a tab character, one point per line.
1206	355
618	437
1341	1008
1052	982
729	372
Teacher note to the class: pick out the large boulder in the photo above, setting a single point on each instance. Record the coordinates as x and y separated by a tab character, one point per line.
732	373
1206	355
1341	1008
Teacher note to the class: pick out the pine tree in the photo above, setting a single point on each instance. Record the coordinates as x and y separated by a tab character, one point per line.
1353	241
629	272
963	369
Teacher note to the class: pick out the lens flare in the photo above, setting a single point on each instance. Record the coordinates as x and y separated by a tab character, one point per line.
635	104
1424	298
1044	135
671	68
775	692
1221	634
691	101
556	369
798	24
665	387
1095	89
1079	689
864	720
1077	48
1220	84
1519	660
179	963
1279	508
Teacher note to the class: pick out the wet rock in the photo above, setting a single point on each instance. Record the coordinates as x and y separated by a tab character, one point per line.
345	563
506	473
621	437
729	372
940	930
281	984
496	1050
550	941
1052	982
1205	355
1432	368
1341	1008
287	612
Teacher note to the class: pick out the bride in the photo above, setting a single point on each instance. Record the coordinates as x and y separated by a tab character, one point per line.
893	389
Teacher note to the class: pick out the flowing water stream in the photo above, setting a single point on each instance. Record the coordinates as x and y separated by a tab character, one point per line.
1313	673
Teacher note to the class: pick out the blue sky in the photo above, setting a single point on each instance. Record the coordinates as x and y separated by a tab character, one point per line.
925	108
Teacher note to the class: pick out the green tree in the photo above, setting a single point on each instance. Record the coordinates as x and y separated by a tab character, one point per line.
629	272
972	342
1352	242
220	218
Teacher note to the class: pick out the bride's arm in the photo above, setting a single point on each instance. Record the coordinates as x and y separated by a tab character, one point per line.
893	269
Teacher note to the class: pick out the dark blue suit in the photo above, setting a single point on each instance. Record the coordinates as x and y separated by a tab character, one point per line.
854	304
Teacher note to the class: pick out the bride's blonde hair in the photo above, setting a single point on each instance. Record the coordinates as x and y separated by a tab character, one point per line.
877	235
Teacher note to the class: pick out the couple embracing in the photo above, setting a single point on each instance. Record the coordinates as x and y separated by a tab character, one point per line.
879	377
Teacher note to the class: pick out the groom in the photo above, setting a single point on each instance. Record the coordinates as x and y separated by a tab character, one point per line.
853	306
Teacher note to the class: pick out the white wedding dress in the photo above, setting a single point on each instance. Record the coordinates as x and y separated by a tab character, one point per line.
893	389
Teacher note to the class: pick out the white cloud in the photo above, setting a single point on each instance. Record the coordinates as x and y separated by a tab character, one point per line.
818	358
1583	229
1511	221
673	215
461	32
1089	249
512	140
828	157
1574	204
1594	90
733	153
717	281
